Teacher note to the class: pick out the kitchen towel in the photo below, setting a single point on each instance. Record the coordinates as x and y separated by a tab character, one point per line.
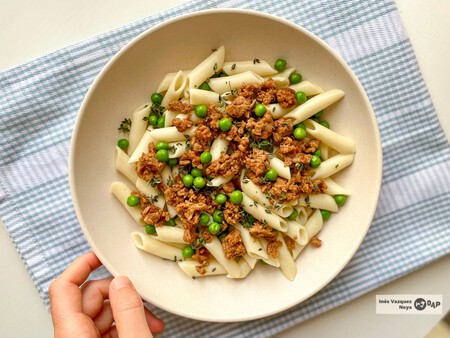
39	101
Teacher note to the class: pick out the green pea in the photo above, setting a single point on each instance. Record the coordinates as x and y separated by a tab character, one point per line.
170	222
280	65
153	120
204	218
187	251
205	86
123	143
260	109
236	197
295	77
300	125
315	161
172	162
201	110
315	119
196	172
221	198
156	98
161	122
205	157
199	182
299	133
162	155
214	228
150	229
162	145
293	215
188	180
318	153
318	114
300	97
340	199
225	124
271	175
218	216
325	214
133	201
324	123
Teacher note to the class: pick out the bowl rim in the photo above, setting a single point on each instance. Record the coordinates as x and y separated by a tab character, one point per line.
376	181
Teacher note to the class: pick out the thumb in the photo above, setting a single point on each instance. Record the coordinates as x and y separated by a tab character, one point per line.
128	309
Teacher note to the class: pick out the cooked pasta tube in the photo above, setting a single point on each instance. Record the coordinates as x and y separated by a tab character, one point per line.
175	89
259	67
338	142
170	234
177	149
199	96
318	201
148	244
251	261
333	165
255	193
277	110
219	146
269	260
245	269
189	267
297	232
171	134
156	197
219	180
142	147
335	189
314	105
252	245
226	83
287	264
307	87
121	191
167	80
206	68
138	127
123	166
314	224
263	214
215	248
280	168
302	216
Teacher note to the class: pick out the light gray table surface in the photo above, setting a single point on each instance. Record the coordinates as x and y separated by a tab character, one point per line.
30	29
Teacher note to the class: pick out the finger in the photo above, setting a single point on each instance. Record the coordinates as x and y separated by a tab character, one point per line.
128	309
64	291
111	333
105	319
155	324
94	292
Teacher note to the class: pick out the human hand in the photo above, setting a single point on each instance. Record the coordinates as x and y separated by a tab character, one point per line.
82	309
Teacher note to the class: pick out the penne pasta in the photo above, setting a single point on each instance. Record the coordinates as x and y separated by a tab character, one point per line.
297	232
340	143
280	168
190	268
121	191
335	189
256	66
167	80
142	147
314	224
155	247
123	166
206	68
228	83
252	245
171	134
333	165
215	248
307	87
314	105
199	96
170	234
155	196
318	201
287	264
138	127
263	214
218	146
175	89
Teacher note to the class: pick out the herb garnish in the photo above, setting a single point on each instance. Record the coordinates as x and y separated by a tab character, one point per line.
125	125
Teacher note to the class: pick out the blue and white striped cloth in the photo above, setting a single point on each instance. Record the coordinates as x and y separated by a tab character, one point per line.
40	99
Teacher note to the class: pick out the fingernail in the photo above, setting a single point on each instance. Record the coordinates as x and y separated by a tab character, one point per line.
120	282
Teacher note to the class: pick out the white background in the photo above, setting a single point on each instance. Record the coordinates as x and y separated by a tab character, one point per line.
30	28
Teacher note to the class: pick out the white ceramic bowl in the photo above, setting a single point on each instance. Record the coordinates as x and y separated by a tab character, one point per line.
128	80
